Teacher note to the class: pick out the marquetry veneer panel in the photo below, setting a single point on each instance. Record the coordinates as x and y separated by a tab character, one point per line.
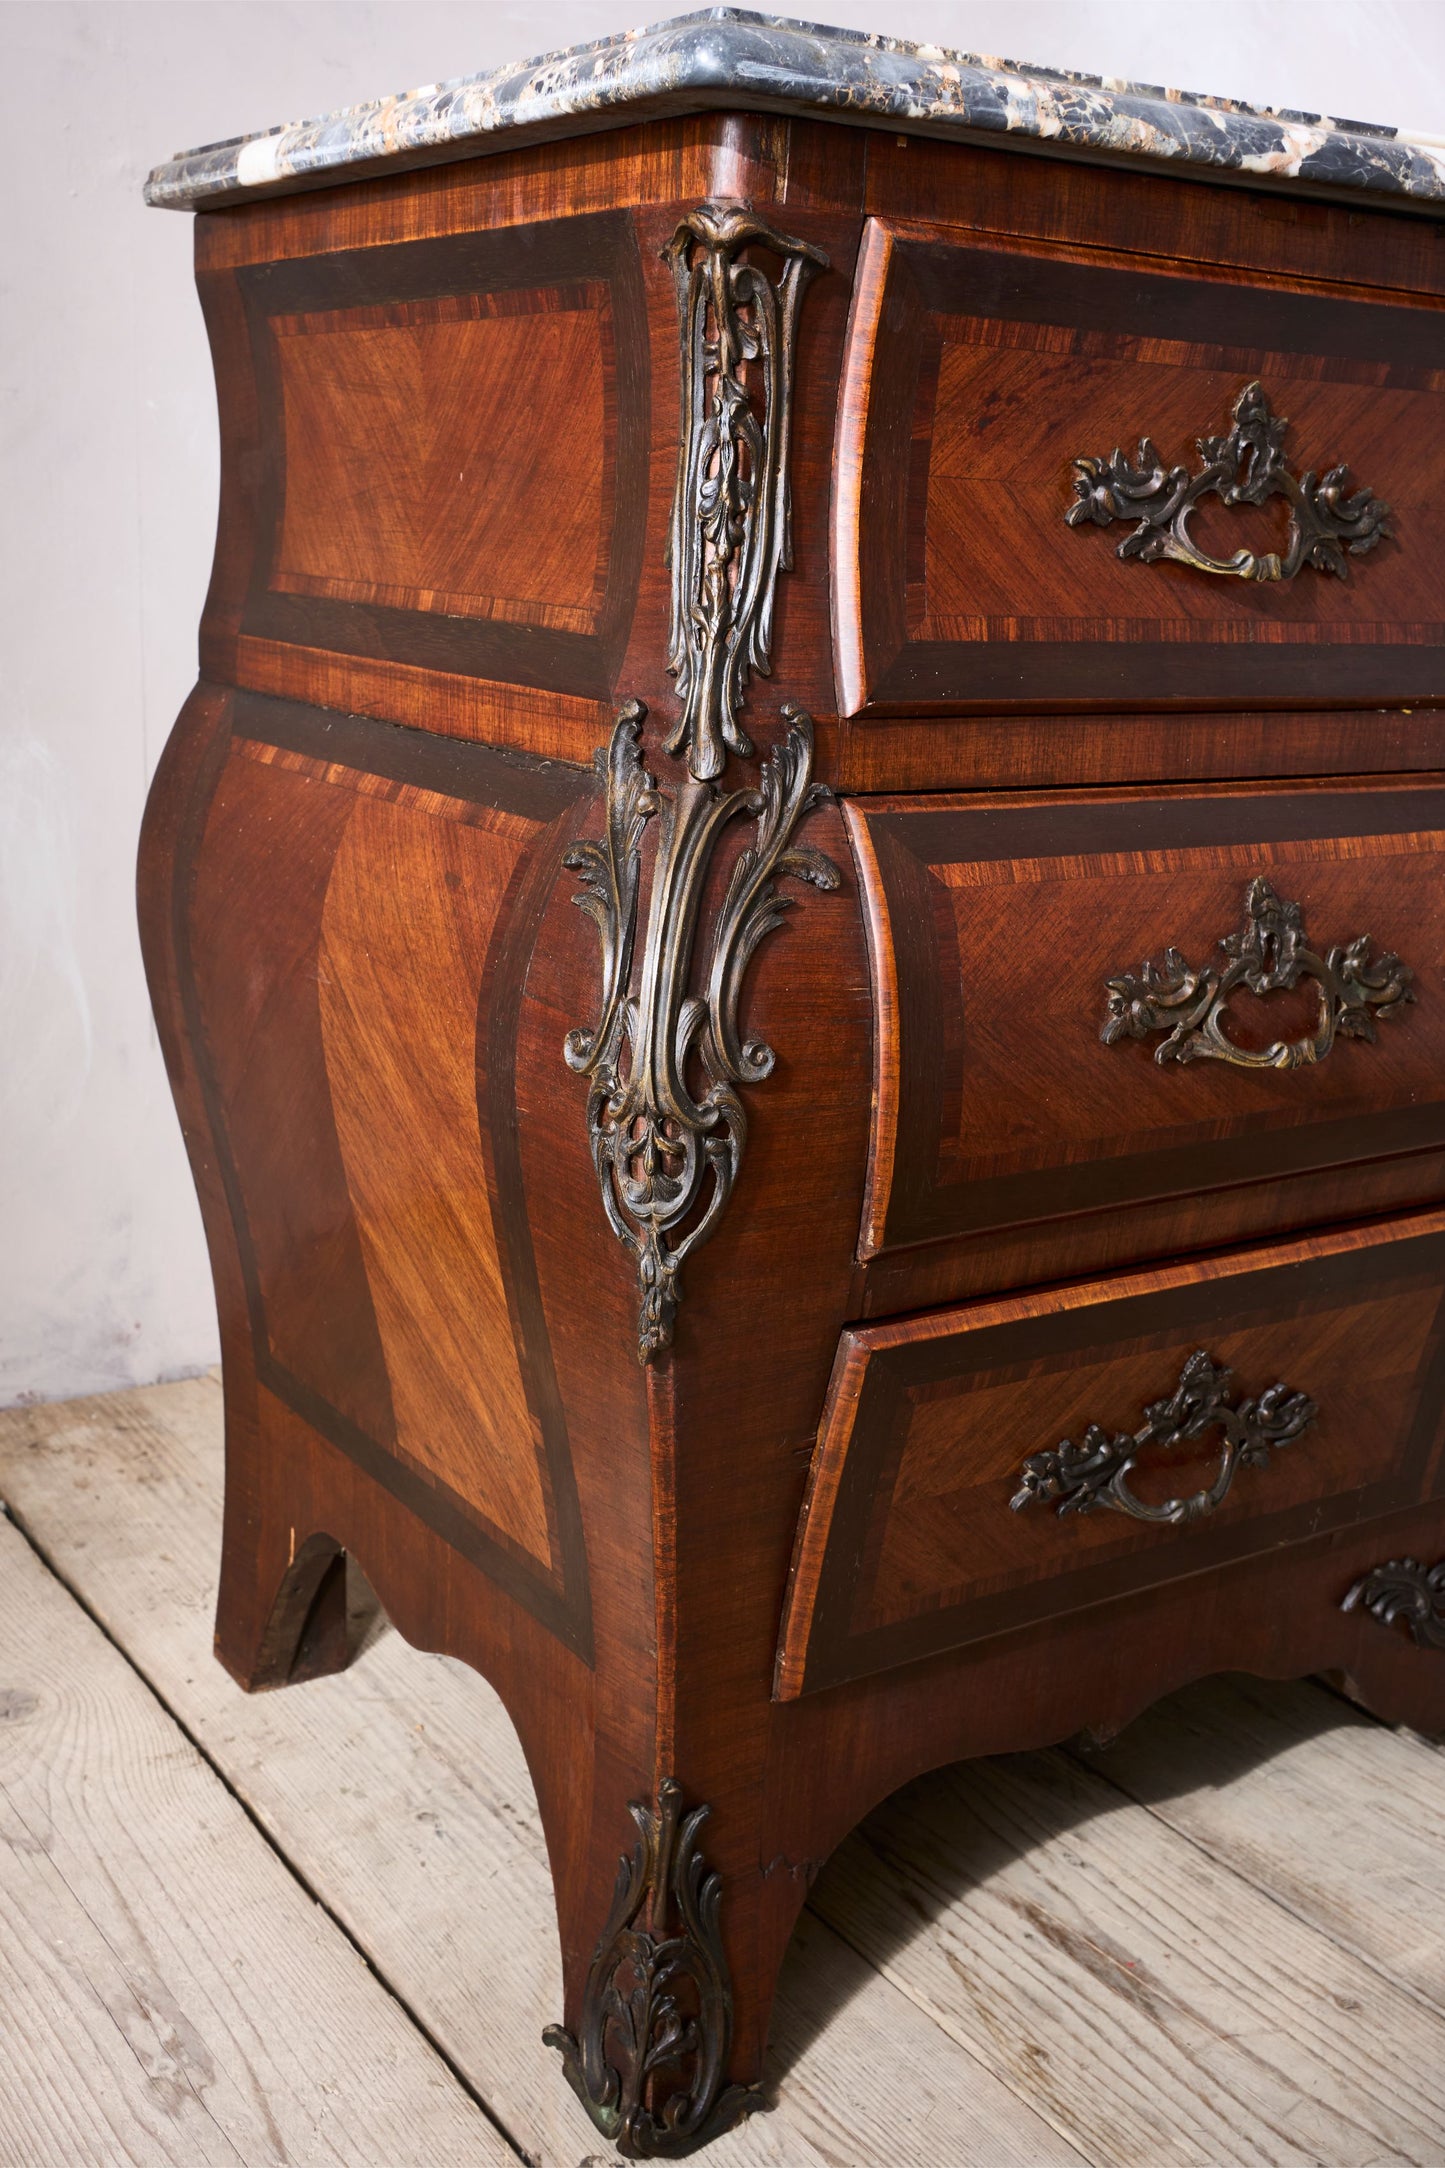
980	367
995	925
389	410
368	1135
908	1546
453	441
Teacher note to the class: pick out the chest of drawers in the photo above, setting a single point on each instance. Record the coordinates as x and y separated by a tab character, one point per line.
947	1242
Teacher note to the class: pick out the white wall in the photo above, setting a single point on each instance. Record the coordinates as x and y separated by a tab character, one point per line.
107	494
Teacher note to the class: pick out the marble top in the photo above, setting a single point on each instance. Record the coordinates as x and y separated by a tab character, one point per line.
767	63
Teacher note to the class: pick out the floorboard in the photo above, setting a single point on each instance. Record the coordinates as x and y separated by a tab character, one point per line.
1219	1943
169	1995
1156	2007
399	1791
1335	1816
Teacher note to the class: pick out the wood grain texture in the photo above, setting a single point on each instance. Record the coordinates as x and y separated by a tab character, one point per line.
365	961
975	375
382	377
996	1898
907	1546
411	907
1308	1831
657	162
995	925
1148	1233
336	584
719	1431
814	176
303	1486
1154	2007
376	439
401	1791
386	1272
170	1996
1254	231
884	753
549	725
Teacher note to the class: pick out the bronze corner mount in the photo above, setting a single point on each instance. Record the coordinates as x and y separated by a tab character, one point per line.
665	1120
667	1149
650	2054
1244	466
731	529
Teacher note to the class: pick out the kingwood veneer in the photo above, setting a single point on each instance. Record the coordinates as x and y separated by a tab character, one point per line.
944	1245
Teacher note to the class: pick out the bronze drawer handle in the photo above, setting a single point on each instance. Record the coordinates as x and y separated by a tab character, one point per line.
1268	956
1244	467
1096	1471
1403	1592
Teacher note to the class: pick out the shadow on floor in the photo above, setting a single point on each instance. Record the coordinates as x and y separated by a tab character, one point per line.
981	1817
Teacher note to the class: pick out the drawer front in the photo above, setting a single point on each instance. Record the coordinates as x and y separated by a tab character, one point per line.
1241	1403
1009	945
984	374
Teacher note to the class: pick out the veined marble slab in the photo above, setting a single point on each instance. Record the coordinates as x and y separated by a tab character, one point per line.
767	63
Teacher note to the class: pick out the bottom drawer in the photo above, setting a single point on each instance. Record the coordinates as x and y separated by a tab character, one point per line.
1001	1462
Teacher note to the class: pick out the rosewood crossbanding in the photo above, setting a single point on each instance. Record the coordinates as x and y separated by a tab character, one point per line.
671	519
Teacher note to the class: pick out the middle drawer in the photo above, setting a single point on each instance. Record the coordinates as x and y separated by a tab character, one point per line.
1101	1001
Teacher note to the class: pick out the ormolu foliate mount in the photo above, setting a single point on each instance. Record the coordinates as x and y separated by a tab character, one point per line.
665	1119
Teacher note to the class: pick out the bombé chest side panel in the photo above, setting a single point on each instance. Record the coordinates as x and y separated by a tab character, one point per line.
346	903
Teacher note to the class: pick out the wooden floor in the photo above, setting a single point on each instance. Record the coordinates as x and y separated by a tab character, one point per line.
315	1926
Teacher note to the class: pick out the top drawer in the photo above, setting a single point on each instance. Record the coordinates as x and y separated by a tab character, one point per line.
981	368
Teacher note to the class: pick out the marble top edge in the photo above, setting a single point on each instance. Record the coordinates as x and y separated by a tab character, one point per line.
772	63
